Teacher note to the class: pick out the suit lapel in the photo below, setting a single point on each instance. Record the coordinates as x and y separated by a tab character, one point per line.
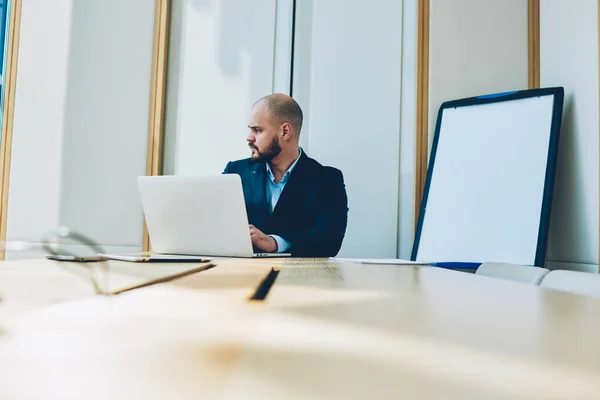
294	187
259	191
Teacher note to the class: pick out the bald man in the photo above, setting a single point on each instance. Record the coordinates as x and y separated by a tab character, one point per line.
294	204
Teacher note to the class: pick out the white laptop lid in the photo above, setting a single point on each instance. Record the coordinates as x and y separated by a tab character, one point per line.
196	215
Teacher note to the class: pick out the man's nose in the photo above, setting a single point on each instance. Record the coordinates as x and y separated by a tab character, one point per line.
250	138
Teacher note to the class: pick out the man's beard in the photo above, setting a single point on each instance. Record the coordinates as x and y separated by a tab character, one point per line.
269	153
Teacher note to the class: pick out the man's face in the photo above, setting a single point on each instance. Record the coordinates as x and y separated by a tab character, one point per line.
263	136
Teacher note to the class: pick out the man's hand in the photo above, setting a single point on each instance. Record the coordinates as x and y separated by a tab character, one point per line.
260	240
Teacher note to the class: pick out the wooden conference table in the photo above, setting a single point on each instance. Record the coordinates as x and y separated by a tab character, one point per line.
326	329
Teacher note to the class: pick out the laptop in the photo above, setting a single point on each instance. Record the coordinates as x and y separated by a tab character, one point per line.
197	216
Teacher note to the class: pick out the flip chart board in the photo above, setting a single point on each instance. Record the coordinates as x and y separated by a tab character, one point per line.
490	178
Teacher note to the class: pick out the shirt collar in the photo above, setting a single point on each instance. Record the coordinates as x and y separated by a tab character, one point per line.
287	173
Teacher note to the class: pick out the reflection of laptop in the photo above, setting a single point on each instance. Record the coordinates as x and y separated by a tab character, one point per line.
197	215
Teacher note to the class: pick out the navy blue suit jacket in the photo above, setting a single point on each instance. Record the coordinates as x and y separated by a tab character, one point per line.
312	212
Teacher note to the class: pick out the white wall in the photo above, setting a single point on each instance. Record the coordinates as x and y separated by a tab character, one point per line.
81	119
347	77
352	96
569	58
106	118
218	68
222	57
303	64
35	170
408	114
476	47
282	63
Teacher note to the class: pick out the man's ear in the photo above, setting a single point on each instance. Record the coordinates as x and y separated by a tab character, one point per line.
286	131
